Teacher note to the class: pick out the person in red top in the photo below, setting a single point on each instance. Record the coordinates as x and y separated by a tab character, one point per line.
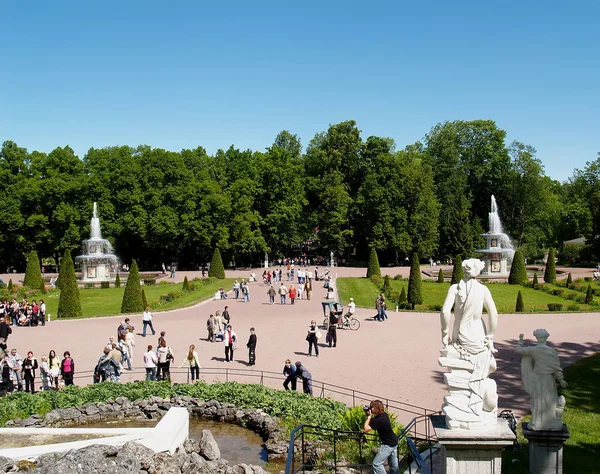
293	293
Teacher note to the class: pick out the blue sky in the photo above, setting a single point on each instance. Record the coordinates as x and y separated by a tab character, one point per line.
184	74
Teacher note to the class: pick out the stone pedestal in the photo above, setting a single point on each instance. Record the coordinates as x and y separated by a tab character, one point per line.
546	449
472	451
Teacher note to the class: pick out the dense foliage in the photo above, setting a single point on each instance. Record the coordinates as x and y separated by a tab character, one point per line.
343	194
133	302
518	272
69	305
33	274
216	269
550	272
373	268
415	293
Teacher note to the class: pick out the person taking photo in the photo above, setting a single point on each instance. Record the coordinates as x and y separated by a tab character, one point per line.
378	419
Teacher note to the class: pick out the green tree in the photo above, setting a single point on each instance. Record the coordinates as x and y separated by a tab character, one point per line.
373	267
69	305
519	308
440	278
132	297
458	272
402	297
33	275
216	265
415	294
386	284
10	285
550	272
569	280
118	281
186	285
589	296
144	300
518	272
536	283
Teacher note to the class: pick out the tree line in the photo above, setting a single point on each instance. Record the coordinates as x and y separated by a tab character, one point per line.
341	194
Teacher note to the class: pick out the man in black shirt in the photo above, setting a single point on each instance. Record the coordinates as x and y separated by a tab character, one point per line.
378	419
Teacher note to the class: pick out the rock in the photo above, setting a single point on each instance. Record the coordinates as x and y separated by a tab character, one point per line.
91	410
150	408
68	413
51	417
191	446
209	449
6	464
193	464
144	455
128	462
104	407
31	421
166	464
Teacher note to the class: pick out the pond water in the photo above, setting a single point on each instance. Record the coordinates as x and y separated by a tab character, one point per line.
237	444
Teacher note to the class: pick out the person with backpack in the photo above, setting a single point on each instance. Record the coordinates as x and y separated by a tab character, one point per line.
67	368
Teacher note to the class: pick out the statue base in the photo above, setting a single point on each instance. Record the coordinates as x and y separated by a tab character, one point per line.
472	451
546	449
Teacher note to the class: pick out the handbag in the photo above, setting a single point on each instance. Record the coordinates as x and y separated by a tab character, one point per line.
327	338
319	335
234	345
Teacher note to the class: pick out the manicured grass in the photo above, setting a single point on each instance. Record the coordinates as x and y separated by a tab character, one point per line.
364	292
107	302
582	416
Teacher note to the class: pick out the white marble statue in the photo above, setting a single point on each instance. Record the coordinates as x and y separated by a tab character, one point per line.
468	353
540	371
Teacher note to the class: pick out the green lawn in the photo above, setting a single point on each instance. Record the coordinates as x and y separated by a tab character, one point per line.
582	416
107	302
364	292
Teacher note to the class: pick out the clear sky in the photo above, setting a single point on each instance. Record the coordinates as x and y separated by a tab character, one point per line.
181	74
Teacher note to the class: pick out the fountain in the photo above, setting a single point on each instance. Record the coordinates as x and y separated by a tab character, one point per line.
98	254
499	251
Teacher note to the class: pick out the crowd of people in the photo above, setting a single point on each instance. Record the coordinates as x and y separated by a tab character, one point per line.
24	313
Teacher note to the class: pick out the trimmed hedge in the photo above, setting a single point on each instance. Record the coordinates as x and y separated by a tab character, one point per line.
458	272
117	281
519	308
550	272
132	297
216	265
415	292
440	278
69	305
518	272
33	273
373	268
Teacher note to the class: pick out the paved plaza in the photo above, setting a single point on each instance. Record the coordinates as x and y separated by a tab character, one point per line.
396	359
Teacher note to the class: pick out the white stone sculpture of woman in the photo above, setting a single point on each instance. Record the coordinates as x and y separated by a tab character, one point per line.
540	371
473	343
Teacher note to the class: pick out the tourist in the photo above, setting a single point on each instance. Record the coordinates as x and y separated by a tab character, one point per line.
245	291
236	289
43	312
106	369
283	293
226	317
15	362
5	331
150	361
219	323
117	356
193	363
301	290
30	365
222	293
7	378
312	337
351	310
147	321
306	377
55	364
308	288
332	330
165	357
210	328
378	419
230	341
292	293
251	345
289	371
130	342
111	341
161	338
384	315
45	373
125	358
271	292
67	368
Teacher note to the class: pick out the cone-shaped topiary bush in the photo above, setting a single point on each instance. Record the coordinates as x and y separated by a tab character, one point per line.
415	294
33	274
440	276
117	281
186	285
518	272
402	297
550	273
457	272
386	284
519	306
132	297
373	268
216	265
144	300
589	296
535	281
69	305
10	285
569	281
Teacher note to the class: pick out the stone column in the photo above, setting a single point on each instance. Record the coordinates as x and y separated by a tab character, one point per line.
546	449
472	451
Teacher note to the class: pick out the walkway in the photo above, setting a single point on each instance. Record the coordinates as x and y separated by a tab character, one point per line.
396	359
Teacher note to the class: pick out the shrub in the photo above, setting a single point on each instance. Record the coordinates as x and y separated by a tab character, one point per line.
150	282
376	279
518	272
398	277
569	281
144	300
402	297
89	286
386	284
373	267
536	283
588	279
457	272
440	278
132	297
33	274
69	305
434	307
415	293
519	308
557	292
580	299
105	284
550	273
589	296
555	307
10	286
186	285
216	265
117	281
573	307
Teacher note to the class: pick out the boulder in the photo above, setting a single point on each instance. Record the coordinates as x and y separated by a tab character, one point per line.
165	464
191	446
51	417
144	455
6	464
209	449
193	464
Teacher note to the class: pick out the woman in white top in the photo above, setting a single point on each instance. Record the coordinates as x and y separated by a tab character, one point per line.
192	362
150	361
230	340
165	357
